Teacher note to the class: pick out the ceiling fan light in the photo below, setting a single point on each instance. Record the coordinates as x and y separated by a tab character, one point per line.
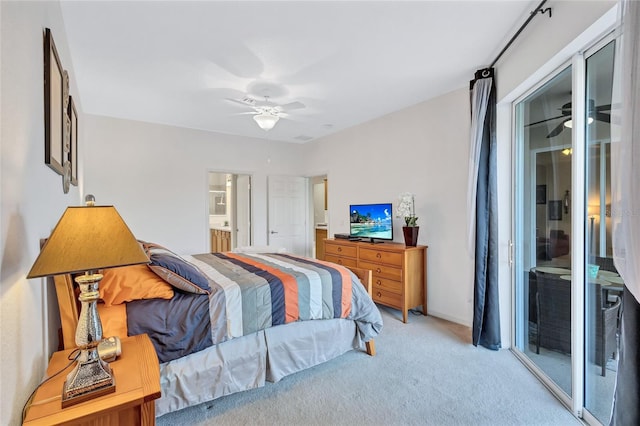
568	124
266	121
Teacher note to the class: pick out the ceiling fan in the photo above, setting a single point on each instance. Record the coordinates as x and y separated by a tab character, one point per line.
267	113
593	113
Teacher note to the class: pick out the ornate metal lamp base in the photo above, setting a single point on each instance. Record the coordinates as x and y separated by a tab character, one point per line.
88	380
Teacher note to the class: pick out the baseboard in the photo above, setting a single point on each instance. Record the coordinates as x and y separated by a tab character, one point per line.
449	318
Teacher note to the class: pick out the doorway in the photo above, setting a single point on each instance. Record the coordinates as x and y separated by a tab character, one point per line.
229	211
320	211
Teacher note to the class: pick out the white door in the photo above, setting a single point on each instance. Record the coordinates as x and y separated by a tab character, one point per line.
288	213
243	211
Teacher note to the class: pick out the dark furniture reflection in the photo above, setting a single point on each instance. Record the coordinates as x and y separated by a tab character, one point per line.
605	263
553	313
558	244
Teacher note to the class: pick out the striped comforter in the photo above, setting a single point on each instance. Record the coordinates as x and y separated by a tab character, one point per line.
252	292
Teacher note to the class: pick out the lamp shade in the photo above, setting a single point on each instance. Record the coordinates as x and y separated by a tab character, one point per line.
266	121
87	239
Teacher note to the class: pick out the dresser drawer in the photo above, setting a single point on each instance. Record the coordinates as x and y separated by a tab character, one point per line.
344	261
349	251
382	270
380	256
387	284
387	298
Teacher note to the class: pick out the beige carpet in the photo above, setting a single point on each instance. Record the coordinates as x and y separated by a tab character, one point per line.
426	372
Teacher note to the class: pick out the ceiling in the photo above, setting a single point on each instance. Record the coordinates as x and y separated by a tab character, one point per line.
187	63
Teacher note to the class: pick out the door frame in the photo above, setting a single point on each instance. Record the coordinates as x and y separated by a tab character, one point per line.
207	226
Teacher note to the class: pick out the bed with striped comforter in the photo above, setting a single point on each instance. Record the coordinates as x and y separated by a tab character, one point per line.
252	292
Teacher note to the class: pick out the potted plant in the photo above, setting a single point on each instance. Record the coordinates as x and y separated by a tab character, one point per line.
407	211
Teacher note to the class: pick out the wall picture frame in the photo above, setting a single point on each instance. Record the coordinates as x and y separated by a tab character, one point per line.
555	210
56	94
541	194
73	141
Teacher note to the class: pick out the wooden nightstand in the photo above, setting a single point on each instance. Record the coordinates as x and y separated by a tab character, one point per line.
137	377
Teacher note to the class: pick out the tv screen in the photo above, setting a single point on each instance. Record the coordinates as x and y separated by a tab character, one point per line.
372	221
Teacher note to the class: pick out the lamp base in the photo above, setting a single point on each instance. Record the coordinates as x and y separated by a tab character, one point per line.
89	379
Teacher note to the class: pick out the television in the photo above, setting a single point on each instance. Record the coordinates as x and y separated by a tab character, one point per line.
371	221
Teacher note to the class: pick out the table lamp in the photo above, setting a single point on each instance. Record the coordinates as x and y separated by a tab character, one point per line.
85	240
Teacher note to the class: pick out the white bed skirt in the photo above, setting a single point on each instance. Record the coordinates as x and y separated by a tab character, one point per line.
247	362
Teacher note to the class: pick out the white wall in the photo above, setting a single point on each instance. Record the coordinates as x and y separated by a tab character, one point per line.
423	150
32	200
157	176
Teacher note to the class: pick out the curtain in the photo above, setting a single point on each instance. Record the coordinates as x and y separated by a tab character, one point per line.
625	215
482	206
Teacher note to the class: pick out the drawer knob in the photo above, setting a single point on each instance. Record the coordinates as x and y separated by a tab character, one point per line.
340	261
378	282
339	248
378	255
378	270
379	294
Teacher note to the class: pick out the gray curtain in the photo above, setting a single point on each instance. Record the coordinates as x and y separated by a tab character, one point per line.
484	203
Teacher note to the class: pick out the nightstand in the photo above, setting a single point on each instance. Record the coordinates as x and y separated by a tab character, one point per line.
137	377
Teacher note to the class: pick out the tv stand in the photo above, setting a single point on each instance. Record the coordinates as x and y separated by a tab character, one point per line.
399	272
374	241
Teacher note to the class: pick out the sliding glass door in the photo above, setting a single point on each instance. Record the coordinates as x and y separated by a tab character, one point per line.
543	241
567	292
603	291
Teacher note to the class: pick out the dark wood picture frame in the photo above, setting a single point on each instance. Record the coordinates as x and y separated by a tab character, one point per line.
56	94
541	194
555	210
73	141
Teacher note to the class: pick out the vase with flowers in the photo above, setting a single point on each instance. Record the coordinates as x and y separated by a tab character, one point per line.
407	210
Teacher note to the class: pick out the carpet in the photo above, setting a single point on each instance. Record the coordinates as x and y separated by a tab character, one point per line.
424	373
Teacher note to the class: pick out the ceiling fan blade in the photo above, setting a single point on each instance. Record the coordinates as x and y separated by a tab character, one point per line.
293	105
558	129
603	116
244	102
603	107
545	120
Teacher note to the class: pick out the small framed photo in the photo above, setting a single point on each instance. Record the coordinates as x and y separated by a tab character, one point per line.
56	97
541	194
73	141
555	210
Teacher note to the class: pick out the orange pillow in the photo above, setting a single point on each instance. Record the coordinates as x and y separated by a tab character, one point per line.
128	283
114	320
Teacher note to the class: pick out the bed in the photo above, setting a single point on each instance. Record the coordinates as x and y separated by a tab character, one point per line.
255	317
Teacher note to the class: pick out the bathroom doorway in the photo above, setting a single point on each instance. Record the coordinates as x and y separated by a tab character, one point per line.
229	199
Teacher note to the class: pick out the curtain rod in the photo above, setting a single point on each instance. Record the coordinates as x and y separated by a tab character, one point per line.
531	16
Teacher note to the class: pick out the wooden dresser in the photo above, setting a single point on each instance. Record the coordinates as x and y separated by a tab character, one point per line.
399	272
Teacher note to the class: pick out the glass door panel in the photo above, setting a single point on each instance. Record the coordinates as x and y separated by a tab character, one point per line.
542	238
603	288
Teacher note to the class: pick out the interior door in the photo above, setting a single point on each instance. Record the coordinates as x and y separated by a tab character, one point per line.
288	213
243	211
